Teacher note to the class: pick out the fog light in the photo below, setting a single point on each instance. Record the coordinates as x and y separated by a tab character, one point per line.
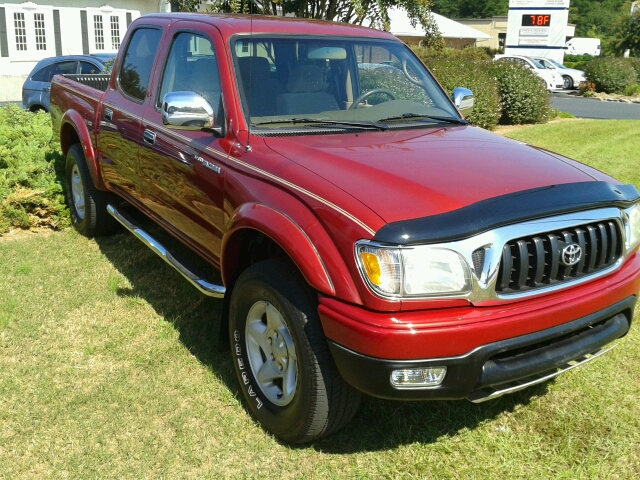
418	377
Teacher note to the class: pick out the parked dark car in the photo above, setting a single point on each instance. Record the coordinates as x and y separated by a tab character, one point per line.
35	90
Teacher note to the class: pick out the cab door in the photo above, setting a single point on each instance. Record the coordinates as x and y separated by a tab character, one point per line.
183	170
122	108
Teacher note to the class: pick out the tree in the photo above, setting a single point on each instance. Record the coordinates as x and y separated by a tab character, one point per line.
627	35
470	8
373	13
185	5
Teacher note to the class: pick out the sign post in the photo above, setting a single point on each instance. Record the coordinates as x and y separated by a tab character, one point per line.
537	28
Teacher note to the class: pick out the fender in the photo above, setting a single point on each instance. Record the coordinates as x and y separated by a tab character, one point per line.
72	119
287	234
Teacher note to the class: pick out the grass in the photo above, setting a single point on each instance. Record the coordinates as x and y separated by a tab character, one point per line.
108	368
612	146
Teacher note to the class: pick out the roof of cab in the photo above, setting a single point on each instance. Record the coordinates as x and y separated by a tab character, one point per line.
229	24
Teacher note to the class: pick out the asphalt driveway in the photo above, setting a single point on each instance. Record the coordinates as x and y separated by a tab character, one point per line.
592	108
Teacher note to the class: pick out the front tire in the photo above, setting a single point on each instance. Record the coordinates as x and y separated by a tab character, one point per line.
281	356
87	204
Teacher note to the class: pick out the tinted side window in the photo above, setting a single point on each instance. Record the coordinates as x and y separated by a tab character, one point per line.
138	62
62	68
42	75
88	68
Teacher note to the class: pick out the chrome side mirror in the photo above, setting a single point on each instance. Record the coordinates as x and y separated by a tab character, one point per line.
187	111
463	99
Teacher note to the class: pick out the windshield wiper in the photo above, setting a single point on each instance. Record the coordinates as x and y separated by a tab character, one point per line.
417	116
321	122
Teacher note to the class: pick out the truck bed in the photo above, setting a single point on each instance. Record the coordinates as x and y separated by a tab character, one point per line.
80	93
99	81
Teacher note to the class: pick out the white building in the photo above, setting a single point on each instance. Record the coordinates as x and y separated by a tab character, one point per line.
32	31
456	35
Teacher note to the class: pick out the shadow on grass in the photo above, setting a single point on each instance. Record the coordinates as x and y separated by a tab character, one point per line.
195	316
383	425
378	425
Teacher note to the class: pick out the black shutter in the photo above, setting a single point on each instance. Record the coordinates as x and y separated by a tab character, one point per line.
128	19
56	32
85	32
4	42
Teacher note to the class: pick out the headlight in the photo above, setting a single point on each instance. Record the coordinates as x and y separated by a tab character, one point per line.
632	226
418	271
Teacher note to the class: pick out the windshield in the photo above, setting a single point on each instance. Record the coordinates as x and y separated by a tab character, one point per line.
317	82
553	62
537	64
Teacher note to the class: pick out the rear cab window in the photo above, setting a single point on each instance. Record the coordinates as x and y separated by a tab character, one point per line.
137	63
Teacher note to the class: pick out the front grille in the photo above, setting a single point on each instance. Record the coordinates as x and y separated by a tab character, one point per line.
535	261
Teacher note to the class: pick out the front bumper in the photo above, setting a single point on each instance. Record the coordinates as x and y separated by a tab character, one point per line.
495	368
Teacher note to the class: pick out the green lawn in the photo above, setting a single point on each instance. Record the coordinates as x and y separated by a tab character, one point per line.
108	369
612	146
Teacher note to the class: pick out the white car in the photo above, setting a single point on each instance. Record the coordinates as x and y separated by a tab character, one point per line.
570	76
552	79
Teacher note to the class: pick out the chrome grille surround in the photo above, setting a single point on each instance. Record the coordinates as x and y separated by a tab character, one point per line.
539	260
484	281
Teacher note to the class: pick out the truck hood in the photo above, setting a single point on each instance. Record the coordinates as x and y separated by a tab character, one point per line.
407	174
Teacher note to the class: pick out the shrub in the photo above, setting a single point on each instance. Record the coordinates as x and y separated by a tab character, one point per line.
523	95
635	63
610	75
469	68
477	77
469	54
587	89
632	90
31	172
576	65
578	58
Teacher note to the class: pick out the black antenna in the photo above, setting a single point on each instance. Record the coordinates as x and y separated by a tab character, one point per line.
251	52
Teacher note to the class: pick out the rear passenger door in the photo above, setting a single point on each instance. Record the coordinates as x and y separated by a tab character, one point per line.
183	170
122	110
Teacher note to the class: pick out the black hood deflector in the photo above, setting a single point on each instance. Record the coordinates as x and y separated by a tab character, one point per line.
508	209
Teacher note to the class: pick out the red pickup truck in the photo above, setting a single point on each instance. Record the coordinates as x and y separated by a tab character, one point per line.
368	238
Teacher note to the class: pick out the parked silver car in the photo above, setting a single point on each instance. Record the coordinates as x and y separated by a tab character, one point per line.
570	76
35	90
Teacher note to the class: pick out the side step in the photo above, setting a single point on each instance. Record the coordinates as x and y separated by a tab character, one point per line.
209	289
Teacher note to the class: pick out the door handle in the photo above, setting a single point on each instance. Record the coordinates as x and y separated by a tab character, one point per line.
46	89
149	137
108	114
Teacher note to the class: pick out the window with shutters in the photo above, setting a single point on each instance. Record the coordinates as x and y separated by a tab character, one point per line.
115	32
20	30
99	32
41	39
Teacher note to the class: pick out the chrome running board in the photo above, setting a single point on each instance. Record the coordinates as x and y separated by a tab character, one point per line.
489	393
209	289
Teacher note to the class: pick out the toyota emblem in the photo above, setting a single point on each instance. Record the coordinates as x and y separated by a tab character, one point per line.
571	254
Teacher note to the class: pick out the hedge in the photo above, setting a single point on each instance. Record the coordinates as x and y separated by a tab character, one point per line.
469	68
31	172
477	77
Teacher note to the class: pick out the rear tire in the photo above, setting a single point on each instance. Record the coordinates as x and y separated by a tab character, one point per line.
567	82
281	356
87	204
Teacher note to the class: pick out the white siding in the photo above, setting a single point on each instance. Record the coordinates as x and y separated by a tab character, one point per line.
21	60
